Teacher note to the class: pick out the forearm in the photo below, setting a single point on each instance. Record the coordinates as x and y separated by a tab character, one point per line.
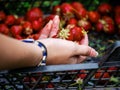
17	54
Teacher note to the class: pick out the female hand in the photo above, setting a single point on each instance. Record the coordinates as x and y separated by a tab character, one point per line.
66	52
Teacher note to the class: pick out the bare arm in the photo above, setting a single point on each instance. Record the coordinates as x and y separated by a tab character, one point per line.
17	54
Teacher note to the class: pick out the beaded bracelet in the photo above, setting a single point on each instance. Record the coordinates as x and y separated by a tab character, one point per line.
42	46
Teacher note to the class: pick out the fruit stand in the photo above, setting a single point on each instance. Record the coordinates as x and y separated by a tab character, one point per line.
100	19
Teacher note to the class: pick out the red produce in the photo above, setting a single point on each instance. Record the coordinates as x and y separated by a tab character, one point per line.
2	15
99	26
108	19
78	33
37	25
101	74
109	28
10	20
27	28
56	10
67	10
104	8
81	14
19	20
72	21
85	24
4	29
16	30
77	5
34	14
93	16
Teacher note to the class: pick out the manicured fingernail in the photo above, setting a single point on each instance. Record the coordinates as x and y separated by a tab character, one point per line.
94	53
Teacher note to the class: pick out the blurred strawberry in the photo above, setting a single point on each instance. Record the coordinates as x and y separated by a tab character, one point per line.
93	16
72	21
85	24
56	10
77	5
78	33
108	19
37	24
82	74
81	14
104	8
2	16
27	28
10	20
16	30
67	10
4	29
109	28
99	25
19	20
101	74
33	14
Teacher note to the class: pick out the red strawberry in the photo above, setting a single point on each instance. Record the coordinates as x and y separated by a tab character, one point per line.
16	30
4	29
19	20
67	10
93	16
82	74
99	26
81	13
56	10
10	20
2	15
50	85
72	21
100	74
27	28
34	14
104	8
108	19
85	24
78	33
37	25
109	28
77	5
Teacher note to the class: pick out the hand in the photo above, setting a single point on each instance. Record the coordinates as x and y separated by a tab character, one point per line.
66	52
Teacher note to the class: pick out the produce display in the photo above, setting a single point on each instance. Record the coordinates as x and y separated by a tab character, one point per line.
102	24
71	21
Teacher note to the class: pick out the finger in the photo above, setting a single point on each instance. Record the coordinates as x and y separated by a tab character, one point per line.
46	30
85	51
55	26
84	41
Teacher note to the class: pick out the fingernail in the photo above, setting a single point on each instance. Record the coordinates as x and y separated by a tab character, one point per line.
94	53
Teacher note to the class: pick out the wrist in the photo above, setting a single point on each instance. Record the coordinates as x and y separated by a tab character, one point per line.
42	48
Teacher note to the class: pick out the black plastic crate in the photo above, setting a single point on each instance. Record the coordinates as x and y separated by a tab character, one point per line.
88	76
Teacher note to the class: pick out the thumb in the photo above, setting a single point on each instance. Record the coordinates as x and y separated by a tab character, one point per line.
86	51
